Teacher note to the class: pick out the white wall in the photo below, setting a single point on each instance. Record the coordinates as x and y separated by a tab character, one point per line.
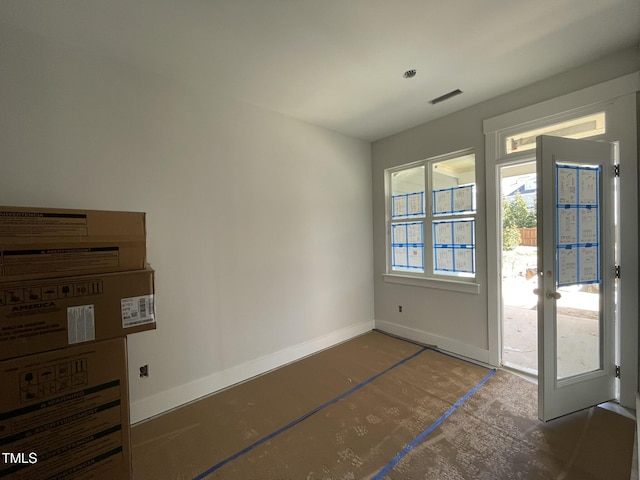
259	226
456	321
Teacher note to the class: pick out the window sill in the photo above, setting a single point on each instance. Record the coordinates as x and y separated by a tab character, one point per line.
441	284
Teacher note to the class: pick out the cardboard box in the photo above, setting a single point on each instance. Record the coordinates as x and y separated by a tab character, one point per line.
48	242
70	225
41	315
65	414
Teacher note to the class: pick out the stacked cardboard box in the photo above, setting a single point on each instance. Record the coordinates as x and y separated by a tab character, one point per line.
73	284
64	414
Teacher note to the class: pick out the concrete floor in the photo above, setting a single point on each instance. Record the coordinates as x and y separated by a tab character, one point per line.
577	342
578	324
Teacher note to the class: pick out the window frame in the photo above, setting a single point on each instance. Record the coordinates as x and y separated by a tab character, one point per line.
548	121
430	277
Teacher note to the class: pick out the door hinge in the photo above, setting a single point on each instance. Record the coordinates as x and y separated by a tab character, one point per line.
616	170
617	371
617	272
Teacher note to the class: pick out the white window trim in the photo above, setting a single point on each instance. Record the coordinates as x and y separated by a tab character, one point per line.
426	280
431	282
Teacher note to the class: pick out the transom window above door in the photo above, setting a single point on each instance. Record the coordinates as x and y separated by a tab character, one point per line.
587	126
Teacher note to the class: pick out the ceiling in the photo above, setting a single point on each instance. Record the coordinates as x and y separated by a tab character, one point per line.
340	63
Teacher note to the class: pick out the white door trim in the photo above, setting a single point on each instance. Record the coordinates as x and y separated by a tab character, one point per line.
601	92
620	93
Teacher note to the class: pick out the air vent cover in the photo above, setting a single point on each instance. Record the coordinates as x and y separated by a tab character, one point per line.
446	96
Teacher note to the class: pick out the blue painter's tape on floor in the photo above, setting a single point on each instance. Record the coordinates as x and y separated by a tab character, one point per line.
303	417
431	428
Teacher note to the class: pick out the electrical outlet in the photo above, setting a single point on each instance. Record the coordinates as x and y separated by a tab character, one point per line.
144	371
400	308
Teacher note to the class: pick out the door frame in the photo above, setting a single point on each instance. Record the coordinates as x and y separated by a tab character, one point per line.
618	98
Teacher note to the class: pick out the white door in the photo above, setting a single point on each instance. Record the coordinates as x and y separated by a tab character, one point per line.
576	275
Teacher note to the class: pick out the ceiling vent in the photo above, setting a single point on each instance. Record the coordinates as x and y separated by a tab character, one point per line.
446	96
409	74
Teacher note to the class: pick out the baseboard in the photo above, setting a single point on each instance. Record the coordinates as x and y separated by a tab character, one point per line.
162	402
445	344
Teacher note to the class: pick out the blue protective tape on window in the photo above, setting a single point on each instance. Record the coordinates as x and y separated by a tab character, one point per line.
421	211
577	206
454	246
407	196
305	416
432	427
404	262
452	209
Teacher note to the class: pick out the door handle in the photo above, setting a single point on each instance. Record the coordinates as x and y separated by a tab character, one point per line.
551	294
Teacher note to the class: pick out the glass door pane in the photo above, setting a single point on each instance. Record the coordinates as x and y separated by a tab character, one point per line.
578	269
579	330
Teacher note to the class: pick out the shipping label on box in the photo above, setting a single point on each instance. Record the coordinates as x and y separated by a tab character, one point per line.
137	311
64	414
36	316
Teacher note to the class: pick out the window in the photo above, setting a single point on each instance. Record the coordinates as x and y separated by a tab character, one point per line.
583	127
431	218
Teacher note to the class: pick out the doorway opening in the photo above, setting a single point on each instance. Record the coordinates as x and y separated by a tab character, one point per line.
519	264
579	334
508	144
